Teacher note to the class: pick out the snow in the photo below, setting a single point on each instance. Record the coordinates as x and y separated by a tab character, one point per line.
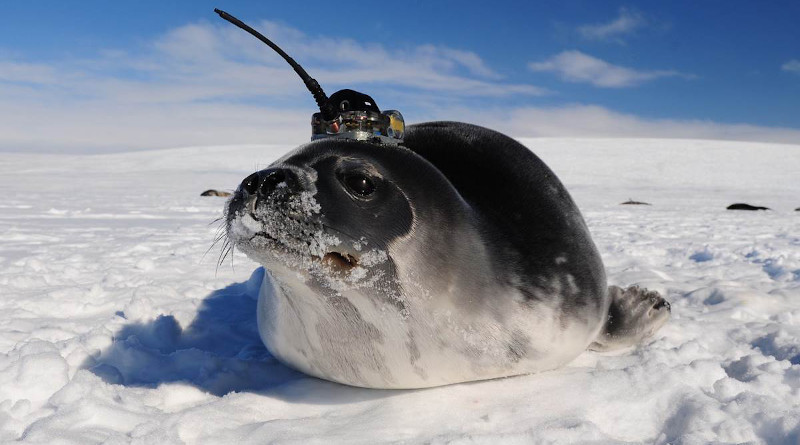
117	327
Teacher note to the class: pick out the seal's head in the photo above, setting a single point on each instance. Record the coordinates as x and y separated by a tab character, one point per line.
326	213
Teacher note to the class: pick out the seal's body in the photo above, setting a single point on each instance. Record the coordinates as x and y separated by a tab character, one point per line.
456	256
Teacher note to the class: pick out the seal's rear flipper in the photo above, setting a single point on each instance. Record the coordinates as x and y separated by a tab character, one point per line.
634	315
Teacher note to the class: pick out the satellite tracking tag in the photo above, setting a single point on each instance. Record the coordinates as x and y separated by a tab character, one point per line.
346	114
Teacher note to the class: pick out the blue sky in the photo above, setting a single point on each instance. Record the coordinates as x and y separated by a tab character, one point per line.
98	75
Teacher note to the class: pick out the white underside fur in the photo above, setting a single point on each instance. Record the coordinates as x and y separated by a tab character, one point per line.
451	346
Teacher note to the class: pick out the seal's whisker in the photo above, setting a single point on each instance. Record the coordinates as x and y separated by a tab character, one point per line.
221	234
222	250
214	243
226	249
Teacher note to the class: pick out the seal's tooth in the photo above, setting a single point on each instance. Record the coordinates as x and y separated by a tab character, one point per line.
250	205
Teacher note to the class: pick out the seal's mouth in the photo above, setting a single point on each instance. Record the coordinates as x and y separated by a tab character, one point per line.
289	230
340	262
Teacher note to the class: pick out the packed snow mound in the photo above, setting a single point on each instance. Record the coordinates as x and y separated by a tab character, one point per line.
117	327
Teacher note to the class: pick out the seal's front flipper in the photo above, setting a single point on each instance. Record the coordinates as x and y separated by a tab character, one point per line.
634	315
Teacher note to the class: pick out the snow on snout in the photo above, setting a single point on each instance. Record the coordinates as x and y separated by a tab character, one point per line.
288	219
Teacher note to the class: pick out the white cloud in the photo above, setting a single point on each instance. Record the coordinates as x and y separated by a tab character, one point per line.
467	59
575	66
97	127
595	121
627	22
26	73
103	127
202	62
210	84
237	57
213	85
792	66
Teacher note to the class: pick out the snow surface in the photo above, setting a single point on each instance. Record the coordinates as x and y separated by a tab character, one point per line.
115	328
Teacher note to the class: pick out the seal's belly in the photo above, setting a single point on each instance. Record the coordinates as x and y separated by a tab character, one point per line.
349	339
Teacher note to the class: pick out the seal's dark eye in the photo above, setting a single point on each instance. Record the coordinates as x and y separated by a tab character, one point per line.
359	184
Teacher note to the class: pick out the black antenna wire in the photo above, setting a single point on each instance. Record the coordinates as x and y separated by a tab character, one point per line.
327	109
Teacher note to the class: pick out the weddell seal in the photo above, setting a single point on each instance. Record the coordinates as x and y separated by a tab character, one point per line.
457	256
436	254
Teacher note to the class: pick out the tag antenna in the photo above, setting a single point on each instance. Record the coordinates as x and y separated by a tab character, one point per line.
325	107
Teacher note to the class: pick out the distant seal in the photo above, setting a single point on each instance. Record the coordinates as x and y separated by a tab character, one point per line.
454	257
745	206
212	192
631	202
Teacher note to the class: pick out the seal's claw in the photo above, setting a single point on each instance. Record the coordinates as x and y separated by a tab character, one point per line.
634	314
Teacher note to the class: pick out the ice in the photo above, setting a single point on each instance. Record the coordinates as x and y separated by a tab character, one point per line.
374	257
115	328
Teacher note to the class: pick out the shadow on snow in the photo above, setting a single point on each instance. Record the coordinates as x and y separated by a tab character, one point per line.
219	352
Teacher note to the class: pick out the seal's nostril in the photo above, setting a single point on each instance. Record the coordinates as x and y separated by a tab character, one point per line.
276	176
271	181
250	183
662	303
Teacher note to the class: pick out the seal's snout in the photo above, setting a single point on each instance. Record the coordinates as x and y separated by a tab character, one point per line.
263	183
